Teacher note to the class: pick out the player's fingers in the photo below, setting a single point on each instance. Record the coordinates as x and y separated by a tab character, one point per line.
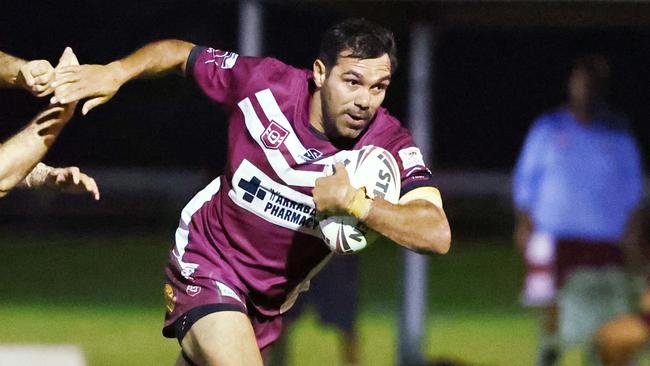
45	92
67	58
92	187
67	69
40	67
29	78
75	173
60	178
44	78
61	79
92	103
68	93
339	168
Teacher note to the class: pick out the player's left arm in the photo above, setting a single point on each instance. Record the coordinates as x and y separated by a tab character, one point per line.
418	222
35	76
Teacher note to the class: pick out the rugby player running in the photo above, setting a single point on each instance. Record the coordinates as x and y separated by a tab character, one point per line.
249	242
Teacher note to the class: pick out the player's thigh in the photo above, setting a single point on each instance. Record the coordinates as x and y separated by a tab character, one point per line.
224	338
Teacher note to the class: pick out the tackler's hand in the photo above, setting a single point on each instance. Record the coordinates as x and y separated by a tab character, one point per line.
36	76
71	180
97	83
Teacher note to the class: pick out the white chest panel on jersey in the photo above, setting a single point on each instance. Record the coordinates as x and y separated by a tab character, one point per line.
276	159
256	192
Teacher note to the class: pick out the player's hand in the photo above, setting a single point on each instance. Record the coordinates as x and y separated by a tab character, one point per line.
71	180
36	76
333	193
68	58
97	83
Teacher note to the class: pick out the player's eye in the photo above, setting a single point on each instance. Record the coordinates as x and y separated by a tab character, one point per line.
379	88
352	82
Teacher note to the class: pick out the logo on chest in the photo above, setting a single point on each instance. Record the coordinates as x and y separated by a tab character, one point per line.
274	135
311	154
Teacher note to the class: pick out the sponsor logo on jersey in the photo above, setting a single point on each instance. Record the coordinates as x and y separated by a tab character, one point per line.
276	203
170	298
311	154
411	157
274	135
193	290
223	59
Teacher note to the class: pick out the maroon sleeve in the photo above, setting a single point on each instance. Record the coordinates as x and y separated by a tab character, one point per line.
413	170
223	76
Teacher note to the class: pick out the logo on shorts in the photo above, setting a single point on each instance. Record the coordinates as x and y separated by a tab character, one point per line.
226	291
193	290
274	135
170	299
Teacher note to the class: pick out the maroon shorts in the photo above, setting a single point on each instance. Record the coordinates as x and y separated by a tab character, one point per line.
575	254
190	298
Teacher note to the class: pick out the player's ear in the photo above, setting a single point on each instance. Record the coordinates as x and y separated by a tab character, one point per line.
319	73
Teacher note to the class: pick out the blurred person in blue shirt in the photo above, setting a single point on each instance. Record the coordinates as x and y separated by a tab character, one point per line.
577	186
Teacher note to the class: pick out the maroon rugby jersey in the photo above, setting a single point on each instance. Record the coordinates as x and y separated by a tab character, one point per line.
259	215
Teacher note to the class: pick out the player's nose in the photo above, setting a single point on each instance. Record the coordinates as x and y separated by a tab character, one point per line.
362	99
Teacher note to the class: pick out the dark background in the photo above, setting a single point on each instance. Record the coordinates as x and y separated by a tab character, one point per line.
491	77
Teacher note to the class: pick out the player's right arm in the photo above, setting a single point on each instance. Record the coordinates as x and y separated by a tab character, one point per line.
525	182
98	83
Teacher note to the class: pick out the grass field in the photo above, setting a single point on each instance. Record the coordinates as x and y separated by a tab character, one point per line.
103	292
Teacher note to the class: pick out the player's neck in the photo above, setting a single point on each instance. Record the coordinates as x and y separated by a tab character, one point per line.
583	113
316	111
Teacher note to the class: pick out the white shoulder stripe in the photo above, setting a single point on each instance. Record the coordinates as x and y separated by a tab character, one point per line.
275	158
273	113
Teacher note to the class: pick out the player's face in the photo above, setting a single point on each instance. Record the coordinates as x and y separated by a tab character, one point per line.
582	88
351	92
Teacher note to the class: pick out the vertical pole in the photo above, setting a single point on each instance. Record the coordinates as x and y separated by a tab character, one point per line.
250	28
420	119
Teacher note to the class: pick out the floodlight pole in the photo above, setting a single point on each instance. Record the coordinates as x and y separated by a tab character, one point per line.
420	120
250	27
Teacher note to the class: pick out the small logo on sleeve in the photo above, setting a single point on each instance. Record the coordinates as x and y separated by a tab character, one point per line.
274	135
411	157
223	59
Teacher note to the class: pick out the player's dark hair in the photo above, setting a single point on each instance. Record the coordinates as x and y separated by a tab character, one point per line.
363	38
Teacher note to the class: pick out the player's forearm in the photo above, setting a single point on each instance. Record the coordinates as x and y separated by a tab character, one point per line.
9	69
418	225
153	59
523	229
20	154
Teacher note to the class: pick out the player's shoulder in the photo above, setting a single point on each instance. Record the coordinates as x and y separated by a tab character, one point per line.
554	116
551	120
613	120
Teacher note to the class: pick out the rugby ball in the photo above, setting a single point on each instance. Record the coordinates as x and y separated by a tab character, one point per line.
376	169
